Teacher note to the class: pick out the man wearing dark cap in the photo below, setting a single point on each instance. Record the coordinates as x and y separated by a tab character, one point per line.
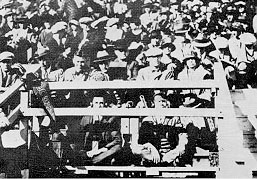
153	71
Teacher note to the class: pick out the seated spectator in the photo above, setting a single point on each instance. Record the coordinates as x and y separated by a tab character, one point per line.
46	71
163	140
172	65
102	135
153	71
101	65
194	71
9	72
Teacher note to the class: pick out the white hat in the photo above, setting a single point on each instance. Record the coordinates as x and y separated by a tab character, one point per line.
221	42
85	20
247	38
96	22
153	52
112	22
134	45
58	26
6	56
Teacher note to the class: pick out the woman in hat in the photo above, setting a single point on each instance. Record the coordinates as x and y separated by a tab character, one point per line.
101	64
74	37
172	65
194	71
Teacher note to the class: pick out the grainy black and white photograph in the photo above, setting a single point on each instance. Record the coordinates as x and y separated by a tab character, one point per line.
128	89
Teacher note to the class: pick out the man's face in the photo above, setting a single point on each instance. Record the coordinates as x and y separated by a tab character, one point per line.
44	63
73	27
154	41
5	65
167	50
154	61
191	63
98	102
79	64
160	102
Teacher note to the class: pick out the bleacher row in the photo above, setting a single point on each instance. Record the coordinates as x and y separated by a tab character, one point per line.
203	161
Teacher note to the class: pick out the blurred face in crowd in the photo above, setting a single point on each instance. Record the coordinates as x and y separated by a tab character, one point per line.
191	63
103	66
160	102
98	102
166	50
6	65
47	25
154	61
154	41
73	27
79	63
84	26
44	62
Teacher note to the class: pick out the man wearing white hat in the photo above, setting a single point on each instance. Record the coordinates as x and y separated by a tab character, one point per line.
153	71
55	44
8	73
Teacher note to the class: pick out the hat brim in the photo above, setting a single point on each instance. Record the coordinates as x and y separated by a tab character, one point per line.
201	45
103	59
170	45
191	57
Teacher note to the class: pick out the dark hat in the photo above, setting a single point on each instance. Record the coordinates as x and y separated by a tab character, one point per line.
147	5
21	20
170	45
155	34
47	18
120	44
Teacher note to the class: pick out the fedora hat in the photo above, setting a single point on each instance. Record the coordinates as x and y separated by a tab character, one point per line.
201	42
247	38
191	55
74	22
102	56
6	56
154	52
85	20
58	26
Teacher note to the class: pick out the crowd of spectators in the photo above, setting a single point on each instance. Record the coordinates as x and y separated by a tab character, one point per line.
141	40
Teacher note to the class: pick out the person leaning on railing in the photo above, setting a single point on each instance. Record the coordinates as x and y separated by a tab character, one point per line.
9	73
